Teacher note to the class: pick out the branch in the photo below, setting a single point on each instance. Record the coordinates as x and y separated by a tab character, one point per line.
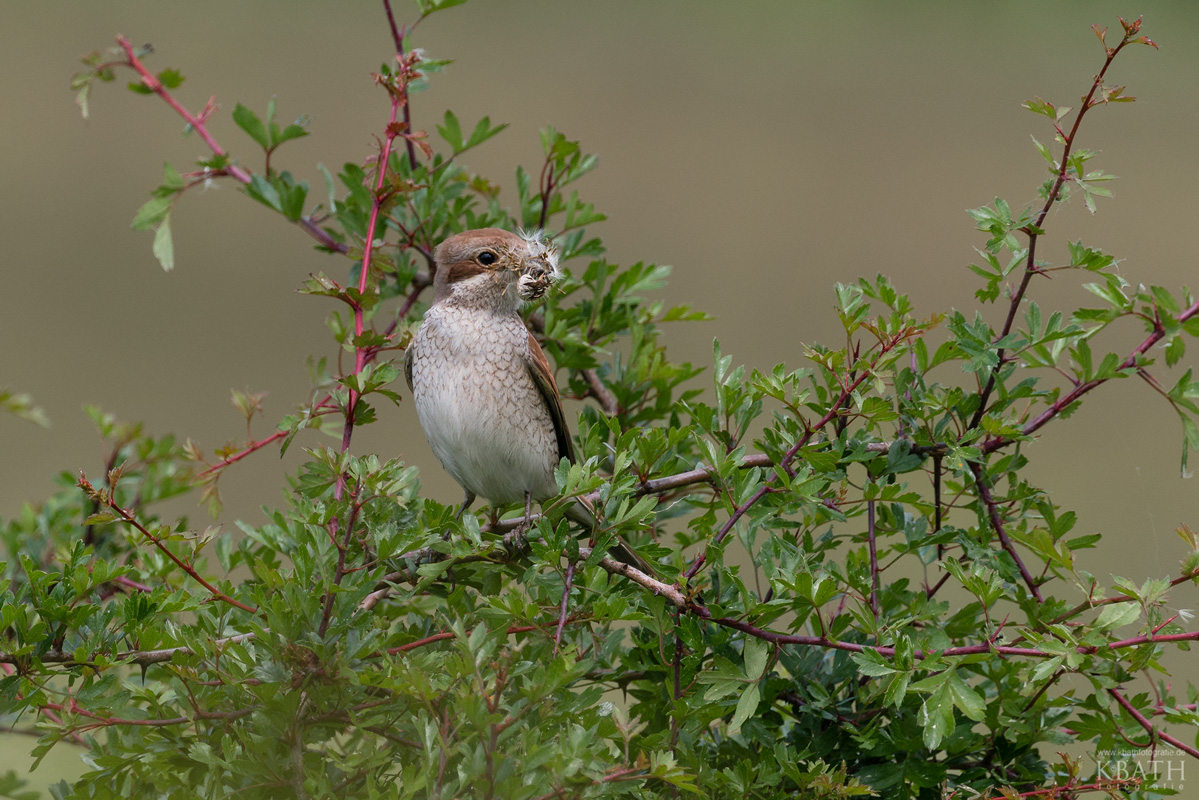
397	36
1108	785
240	454
566	586
1078	391
1034	230
196	122
444	635
1104	601
984	494
874	571
785	462
142	658
111	504
1150	728
602	394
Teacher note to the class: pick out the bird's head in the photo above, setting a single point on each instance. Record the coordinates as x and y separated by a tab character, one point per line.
493	268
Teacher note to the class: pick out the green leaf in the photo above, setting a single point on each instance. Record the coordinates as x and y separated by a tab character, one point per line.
870	662
170	78
897	689
1117	615
249	122
936	717
22	407
451	131
968	701
264	192
1042	107
746	707
757	654
164	247
172	181
153	210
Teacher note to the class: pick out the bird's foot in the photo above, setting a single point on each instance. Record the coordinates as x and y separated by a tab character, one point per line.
516	541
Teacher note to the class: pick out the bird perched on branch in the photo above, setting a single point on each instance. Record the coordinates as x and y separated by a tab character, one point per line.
484	391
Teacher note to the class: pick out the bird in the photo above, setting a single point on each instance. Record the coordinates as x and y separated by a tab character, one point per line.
484	391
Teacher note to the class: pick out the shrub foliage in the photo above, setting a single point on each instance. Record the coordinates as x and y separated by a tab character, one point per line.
853	589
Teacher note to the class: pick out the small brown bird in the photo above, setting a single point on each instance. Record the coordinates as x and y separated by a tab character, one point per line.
484	391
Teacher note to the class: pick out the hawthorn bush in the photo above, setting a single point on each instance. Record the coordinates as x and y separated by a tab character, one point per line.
852	588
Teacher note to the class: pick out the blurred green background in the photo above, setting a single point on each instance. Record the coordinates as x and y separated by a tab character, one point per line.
767	150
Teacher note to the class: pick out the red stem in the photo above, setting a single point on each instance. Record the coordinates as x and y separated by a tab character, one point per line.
1030	267
188	568
785	462
1150	728
984	494
152	83
1078	391
197	124
398	37
238	456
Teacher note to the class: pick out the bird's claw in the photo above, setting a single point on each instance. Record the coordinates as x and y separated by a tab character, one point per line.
516	541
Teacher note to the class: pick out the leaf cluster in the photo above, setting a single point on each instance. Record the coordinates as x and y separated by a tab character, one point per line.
852	586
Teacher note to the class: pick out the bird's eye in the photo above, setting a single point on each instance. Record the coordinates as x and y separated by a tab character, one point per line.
487	258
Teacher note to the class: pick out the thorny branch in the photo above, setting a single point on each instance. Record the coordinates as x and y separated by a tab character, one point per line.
197	124
108	502
1034	230
1149	727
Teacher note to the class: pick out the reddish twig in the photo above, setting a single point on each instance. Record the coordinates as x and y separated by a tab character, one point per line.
1149	727
1066	400
566	586
141	658
602	394
397	35
785	462
196	122
252	447
1081	607
1034	230
1107	785
984	494
444	635
127	517
103	721
874	576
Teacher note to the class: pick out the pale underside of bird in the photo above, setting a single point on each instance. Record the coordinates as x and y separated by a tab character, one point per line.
484	390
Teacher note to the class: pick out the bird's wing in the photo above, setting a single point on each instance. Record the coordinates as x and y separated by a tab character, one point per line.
543	379
409	354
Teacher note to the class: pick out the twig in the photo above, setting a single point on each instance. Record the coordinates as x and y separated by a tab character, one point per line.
984	494
870	535
1150	728
197	124
111	504
1081	607
1078	391
397	36
785	462
570	576
252	447
141	658
1108	785
602	394
1033	231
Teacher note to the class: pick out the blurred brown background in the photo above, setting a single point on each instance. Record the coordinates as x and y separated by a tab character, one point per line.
766	150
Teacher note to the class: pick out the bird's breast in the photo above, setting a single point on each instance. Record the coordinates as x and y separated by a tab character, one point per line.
483	415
